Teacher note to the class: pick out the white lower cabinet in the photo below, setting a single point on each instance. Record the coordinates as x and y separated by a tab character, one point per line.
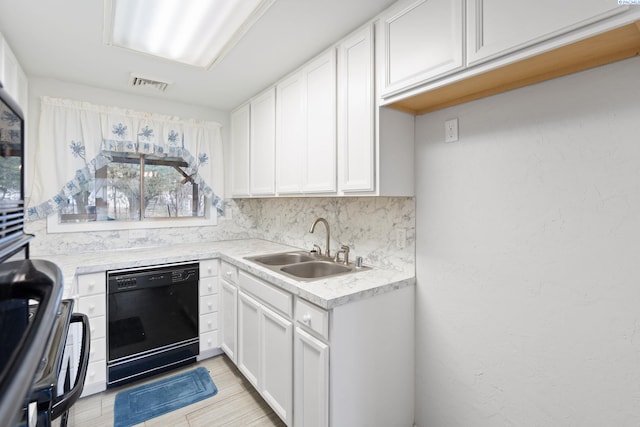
208	308
92	302
276	356
228	315
249	337
265	341
311	381
319	367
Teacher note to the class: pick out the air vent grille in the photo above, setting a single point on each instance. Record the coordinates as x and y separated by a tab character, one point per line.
139	81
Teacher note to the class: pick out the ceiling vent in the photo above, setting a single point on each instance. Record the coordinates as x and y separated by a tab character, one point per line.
142	81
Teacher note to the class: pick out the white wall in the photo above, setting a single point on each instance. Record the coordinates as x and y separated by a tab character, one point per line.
528	256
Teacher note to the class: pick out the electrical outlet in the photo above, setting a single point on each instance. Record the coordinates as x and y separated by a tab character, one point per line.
451	130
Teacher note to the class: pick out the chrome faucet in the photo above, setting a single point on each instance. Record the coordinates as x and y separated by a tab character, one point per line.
326	225
344	249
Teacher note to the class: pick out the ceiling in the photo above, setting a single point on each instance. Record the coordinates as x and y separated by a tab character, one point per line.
63	39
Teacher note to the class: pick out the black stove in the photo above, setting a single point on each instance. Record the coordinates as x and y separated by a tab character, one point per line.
37	384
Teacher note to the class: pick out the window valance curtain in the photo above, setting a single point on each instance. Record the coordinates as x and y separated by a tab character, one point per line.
76	138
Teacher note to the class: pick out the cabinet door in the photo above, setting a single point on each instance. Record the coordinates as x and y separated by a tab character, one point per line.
320	75
291	136
421	40
276	381
497	27
249	338
311	379
263	144
229	327
240	134
356	143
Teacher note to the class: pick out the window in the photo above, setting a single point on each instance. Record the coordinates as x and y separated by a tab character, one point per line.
118	169
135	187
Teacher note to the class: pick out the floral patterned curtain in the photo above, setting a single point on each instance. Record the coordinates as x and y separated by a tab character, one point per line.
76	138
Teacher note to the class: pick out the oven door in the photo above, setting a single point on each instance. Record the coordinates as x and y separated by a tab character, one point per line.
60	378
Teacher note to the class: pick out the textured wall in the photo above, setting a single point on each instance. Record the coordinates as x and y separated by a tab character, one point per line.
528	297
367	224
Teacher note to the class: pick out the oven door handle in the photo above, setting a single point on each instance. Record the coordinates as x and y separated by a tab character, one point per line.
69	398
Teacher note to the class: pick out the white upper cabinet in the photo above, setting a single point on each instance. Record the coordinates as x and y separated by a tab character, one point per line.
356	137
240	139
291	135
320	75
421	40
306	128
13	79
263	144
498	27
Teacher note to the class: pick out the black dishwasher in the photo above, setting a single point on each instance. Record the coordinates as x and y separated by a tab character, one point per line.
152	321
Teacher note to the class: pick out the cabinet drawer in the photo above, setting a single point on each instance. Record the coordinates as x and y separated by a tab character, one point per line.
208	322
208	268
98	349
208	341
97	327
90	284
208	286
208	304
280	300
229	272
312	317
93	305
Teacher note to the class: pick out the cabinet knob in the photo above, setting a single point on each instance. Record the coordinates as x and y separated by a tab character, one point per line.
306	319
228	274
209	305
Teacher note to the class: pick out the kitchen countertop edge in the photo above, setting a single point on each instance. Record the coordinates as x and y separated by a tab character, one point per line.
326	293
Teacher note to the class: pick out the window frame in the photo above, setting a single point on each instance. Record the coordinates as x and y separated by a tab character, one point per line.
54	225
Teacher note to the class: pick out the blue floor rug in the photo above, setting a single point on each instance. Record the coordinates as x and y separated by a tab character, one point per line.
151	400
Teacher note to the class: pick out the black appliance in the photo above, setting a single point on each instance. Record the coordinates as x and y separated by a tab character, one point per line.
152	321
34	324
39	380
13	239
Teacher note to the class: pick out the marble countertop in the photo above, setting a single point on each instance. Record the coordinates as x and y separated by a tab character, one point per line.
327	293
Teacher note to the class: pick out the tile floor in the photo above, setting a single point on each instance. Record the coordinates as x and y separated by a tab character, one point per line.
236	403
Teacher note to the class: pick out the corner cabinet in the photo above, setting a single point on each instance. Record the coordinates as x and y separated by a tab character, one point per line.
419	41
498	27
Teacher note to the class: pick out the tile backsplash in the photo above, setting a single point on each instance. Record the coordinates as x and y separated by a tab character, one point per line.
380	229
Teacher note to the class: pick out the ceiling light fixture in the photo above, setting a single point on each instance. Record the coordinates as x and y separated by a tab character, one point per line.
194	32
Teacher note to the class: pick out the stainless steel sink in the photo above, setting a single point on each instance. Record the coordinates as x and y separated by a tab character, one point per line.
282	259
316	269
300	265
